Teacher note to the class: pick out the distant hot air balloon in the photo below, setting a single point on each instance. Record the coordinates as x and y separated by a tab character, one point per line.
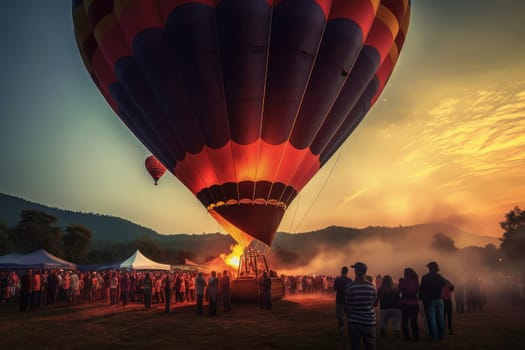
155	168
242	100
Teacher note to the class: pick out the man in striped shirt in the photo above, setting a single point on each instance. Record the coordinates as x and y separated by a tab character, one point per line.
360	297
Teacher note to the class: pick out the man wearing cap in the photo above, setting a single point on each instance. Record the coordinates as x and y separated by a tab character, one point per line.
430	294
360	297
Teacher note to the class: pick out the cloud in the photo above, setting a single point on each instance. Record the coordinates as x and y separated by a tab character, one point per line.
480	133
459	160
445	108
351	197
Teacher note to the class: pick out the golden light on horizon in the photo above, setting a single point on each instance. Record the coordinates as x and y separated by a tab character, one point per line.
456	158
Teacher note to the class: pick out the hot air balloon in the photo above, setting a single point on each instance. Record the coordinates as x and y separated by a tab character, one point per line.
242	100
154	168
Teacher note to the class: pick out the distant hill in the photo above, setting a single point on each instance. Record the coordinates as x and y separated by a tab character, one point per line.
402	239
109	229
103	227
335	236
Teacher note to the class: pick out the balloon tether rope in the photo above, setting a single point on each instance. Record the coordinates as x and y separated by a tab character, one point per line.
322	187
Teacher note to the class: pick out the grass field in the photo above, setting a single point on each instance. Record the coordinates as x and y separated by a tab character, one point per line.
294	323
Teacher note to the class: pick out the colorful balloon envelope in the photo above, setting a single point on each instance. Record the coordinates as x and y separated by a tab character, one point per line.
155	168
242	100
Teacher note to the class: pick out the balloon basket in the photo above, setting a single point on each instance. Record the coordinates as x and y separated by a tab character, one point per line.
252	264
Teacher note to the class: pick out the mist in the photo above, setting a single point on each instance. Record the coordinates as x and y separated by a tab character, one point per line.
391	257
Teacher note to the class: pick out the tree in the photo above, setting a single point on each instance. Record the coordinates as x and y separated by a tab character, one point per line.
35	230
110	253
149	248
77	241
175	257
5	246
513	240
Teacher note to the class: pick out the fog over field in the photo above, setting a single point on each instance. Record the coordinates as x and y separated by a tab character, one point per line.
391	257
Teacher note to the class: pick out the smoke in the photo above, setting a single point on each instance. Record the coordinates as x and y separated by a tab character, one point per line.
442	242
389	252
393	256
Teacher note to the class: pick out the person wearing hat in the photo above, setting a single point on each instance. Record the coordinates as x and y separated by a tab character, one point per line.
360	297
430	294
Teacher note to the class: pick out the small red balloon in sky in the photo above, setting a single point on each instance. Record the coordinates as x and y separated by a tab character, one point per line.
155	168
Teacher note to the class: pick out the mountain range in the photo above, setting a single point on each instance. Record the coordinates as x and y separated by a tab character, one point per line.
109	230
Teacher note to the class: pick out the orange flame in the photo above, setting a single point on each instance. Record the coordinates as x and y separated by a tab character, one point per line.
234	258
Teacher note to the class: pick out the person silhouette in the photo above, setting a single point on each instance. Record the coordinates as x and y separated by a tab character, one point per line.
340	284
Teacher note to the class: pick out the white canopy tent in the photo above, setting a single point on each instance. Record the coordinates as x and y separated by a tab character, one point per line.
39	259
10	258
139	262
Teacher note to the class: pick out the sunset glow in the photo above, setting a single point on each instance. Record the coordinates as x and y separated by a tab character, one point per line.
445	141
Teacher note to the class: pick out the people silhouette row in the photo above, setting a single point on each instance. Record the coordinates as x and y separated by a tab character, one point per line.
398	304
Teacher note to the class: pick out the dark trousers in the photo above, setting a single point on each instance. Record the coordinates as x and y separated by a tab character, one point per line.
24	301
226	303
261	299
448	314
409	317
212	307
113	296
267	297
200	301
147	299
35	299
474	303
460	305
51	295
168	302
360	332
125	297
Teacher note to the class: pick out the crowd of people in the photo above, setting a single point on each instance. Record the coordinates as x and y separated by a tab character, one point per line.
408	307
45	287
401	304
42	287
302	284
36	288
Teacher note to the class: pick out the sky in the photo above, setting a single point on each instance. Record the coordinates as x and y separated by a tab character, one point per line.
444	143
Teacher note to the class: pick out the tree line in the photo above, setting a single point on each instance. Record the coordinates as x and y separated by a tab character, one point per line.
37	229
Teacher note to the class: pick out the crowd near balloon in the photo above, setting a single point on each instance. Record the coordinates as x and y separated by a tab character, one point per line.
407	307
244	102
37	288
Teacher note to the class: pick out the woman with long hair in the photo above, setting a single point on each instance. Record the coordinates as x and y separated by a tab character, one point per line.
409	289
388	298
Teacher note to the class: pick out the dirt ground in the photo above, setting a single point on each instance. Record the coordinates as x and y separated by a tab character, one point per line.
294	323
